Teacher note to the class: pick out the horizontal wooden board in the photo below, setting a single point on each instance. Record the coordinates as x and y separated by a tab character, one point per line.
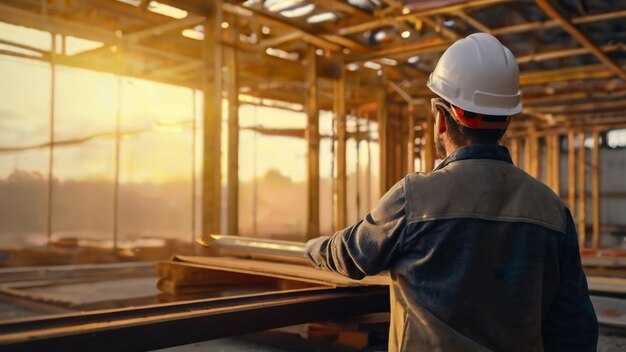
283	270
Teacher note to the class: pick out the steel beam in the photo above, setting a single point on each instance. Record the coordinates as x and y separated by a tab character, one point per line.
167	325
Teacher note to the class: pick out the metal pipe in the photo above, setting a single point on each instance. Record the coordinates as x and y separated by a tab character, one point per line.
258	248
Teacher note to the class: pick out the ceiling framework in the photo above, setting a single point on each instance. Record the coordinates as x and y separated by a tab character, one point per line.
572	63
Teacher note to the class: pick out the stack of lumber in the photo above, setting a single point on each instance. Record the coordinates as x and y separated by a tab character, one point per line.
189	274
178	278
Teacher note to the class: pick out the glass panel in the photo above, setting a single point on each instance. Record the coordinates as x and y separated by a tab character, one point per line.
272	173
84	156
24	156
155	161
83	192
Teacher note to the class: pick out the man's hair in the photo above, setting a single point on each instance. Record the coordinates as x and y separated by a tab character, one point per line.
461	135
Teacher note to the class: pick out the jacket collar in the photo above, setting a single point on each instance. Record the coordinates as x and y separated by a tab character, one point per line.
479	151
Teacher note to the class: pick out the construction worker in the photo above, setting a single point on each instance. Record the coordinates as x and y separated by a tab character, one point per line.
482	256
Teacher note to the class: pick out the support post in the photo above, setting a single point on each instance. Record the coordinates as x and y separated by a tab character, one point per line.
410	145
549	155
212	73
595	189
232	82
429	143
382	138
533	149
556	164
340	113
527	154
571	170
312	138
514	150
402	143
396	163
582	193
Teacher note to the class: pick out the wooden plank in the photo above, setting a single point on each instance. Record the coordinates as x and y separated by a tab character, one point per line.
593	107
558	54
397	164
549	163
581	125
340	111
582	194
183	278
354	339
275	20
514	150
571	171
556	164
542	25
431	8
422	46
283	270
278	40
212	73
410	145
382	138
312	138
402	143
533	149
595	189
527	155
547	7
439	28
429	143
53	24
565	74
473	22
232	83
187	22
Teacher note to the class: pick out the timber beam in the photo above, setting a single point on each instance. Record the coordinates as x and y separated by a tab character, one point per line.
212	75
313	146
581	38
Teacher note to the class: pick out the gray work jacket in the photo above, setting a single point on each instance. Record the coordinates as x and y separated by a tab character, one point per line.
482	257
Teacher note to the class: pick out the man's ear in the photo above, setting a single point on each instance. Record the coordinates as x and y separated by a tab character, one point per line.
440	122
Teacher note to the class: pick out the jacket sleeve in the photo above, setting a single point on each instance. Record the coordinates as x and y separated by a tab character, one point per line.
570	323
368	246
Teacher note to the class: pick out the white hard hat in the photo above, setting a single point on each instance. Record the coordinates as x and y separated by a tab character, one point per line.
480	75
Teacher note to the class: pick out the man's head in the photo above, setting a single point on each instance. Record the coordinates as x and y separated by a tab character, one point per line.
452	131
477	80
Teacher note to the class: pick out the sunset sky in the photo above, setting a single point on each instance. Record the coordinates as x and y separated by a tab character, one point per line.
87	102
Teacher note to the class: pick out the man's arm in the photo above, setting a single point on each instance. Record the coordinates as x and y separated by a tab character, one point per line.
570	323
368	246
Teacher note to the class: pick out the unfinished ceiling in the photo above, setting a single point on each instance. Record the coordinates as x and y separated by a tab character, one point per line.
570	52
